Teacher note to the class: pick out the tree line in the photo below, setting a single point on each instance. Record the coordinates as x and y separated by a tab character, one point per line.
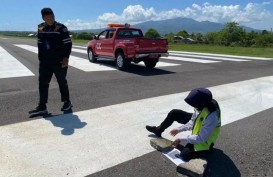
231	35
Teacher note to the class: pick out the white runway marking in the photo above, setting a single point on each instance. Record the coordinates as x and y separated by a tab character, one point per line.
189	59
83	64
11	67
221	55
79	51
89	141
160	64
77	62
82	47
207	57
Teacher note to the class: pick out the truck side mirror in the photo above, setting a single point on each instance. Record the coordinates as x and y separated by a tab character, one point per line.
95	37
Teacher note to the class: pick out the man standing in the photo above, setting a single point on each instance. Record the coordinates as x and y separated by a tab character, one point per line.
54	48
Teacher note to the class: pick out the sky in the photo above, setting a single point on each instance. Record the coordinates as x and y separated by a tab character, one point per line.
25	15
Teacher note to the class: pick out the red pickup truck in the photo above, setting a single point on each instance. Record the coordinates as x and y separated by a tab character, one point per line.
124	45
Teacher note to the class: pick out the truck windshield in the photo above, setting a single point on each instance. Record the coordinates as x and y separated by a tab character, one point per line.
129	33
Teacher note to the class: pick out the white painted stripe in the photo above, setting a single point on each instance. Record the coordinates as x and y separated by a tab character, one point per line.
159	64
112	134
83	47
207	57
189	59
222	55
79	51
77	62
11	67
182	57
83	64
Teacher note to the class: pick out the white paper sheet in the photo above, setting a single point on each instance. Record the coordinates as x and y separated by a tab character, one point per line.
171	155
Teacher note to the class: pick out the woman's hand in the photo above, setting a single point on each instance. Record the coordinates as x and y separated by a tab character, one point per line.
176	142
174	132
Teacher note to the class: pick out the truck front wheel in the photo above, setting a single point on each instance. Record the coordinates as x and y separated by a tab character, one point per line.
150	63
121	62
91	56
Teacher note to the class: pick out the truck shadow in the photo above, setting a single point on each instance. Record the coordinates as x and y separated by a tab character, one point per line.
137	69
68	122
219	164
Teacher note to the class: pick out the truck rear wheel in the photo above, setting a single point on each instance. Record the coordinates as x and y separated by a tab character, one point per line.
91	56
150	63
121	62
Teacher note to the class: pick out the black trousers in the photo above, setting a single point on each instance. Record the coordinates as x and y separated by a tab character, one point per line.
177	115
187	153
46	70
182	117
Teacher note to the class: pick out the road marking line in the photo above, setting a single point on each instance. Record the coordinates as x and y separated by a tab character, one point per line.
11	67
179	58
79	51
83	47
77	62
207	57
189	59
222	55
83	64
110	135
159	64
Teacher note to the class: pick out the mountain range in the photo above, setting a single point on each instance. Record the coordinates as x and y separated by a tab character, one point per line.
175	25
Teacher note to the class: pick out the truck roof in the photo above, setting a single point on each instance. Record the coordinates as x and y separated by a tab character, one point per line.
126	25
122	26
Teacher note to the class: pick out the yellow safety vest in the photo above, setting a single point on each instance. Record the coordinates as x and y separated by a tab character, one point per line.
198	124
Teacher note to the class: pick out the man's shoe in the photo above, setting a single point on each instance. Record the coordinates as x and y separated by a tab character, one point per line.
154	130
39	110
67	106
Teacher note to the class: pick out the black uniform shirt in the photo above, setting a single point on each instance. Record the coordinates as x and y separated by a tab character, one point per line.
54	42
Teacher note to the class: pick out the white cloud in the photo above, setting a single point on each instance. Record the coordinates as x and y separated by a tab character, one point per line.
253	15
78	24
196	6
138	14
106	17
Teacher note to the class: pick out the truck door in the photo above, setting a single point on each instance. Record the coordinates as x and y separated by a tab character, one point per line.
99	44
108	43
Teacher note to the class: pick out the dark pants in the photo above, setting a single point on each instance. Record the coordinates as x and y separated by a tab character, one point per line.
175	115
182	117
188	152
46	70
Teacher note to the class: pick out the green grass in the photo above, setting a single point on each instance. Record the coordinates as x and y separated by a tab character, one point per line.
244	51
77	41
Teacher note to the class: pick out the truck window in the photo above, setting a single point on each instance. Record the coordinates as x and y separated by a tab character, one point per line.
129	33
110	34
102	35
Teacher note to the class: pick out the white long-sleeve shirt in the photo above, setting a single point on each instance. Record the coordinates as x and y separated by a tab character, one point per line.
207	128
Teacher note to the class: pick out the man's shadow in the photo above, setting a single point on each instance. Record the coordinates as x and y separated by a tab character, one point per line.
67	121
219	164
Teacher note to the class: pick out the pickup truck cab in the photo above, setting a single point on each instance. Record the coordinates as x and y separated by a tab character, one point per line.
124	45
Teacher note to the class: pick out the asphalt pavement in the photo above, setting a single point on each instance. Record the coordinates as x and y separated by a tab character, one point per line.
107	105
